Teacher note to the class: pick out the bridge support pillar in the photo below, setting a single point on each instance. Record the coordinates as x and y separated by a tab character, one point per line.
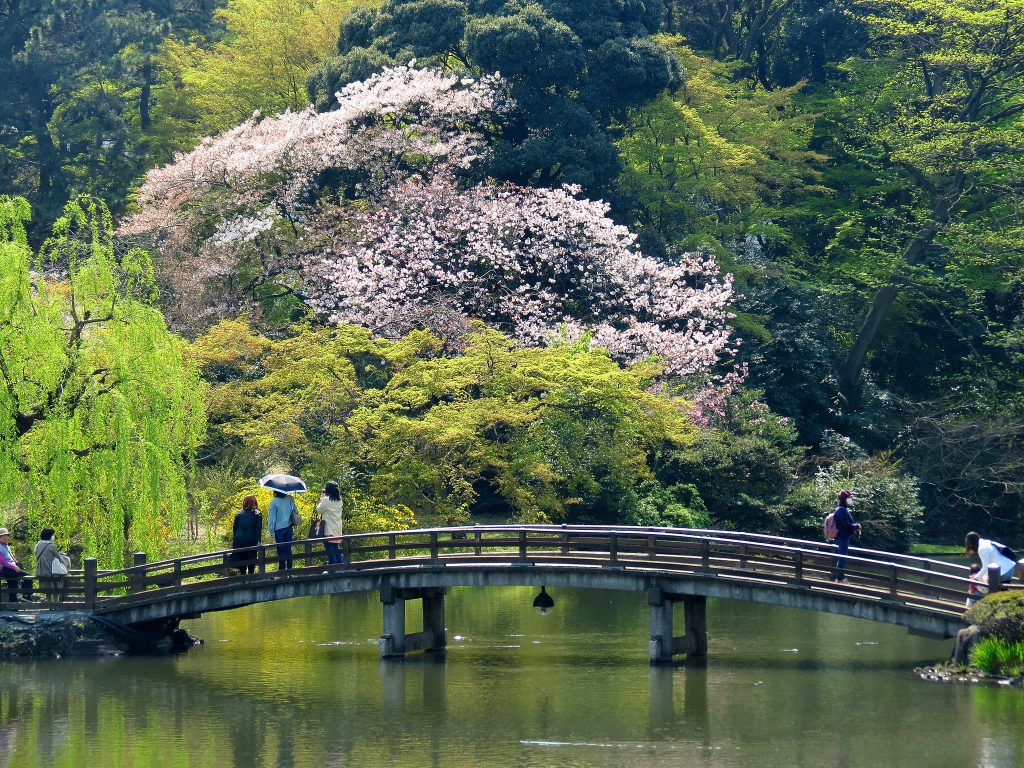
664	644
393	640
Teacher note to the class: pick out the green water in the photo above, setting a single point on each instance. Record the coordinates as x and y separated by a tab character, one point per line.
299	684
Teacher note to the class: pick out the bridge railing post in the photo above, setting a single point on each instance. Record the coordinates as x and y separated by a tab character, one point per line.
307	552
434	555
392	548
798	568
346	549
705	555
478	548
139	576
995	578
177	573
522	547
261	559
894	581
613	550
89	569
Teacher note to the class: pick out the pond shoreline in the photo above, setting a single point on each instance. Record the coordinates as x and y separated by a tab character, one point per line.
951	673
72	634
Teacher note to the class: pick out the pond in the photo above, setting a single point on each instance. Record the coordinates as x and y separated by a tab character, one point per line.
299	684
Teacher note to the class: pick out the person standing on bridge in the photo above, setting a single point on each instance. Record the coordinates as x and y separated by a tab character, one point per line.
845	529
329	508
246	532
279	523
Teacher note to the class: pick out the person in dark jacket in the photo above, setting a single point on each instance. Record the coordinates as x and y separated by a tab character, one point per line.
246	532
845	529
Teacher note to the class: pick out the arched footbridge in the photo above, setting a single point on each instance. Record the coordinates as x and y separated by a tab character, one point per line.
666	565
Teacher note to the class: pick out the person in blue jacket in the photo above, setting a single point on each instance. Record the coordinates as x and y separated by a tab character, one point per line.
279	525
845	529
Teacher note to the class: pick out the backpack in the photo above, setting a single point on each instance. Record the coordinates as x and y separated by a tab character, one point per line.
830	526
1005	551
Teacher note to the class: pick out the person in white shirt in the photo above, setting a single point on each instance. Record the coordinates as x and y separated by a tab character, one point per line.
990	553
329	508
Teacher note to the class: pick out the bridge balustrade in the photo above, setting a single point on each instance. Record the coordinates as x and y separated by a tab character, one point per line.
776	562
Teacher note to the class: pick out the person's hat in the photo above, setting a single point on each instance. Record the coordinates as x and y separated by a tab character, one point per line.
845	493
4	532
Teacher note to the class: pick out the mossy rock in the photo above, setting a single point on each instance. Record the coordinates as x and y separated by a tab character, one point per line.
1000	615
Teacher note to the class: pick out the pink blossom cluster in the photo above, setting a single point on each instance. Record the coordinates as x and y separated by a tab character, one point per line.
361	212
710	406
239	183
533	262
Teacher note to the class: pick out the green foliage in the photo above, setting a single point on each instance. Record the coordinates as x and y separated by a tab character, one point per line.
572	67
998	657
885	502
1000	615
560	433
676	506
77	98
742	466
930	230
261	63
709	163
100	413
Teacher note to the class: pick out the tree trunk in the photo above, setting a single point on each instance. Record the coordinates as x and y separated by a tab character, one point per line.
147	77
884	296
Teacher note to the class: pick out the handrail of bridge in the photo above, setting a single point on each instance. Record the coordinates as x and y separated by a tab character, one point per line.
920	562
771	561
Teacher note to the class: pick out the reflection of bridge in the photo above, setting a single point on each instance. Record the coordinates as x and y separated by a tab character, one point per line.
669	565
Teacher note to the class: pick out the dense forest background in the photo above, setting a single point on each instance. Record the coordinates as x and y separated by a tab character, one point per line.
856	166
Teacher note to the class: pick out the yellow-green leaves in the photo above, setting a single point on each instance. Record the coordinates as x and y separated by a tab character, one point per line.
99	410
532	433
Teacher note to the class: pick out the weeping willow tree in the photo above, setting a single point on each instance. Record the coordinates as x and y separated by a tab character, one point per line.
99	410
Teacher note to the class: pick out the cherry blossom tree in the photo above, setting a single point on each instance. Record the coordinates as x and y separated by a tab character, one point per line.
368	215
226	219
538	263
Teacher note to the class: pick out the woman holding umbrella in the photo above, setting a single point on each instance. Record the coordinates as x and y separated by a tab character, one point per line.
283	514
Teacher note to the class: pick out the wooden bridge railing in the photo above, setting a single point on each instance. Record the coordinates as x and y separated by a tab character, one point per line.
928	585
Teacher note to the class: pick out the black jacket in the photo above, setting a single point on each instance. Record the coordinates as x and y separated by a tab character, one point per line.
247	529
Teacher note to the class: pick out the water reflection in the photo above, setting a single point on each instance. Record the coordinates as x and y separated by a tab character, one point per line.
299	684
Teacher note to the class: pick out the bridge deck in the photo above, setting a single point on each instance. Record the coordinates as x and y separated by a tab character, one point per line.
883	586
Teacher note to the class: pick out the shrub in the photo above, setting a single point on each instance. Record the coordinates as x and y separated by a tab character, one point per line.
742	465
998	657
886	501
674	506
1000	615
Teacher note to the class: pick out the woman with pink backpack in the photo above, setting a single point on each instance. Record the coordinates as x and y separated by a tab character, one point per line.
845	528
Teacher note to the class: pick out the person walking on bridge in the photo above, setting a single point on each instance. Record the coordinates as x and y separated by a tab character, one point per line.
279	523
845	529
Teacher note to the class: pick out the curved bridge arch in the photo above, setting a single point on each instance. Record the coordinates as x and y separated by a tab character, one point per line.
670	565
218	597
